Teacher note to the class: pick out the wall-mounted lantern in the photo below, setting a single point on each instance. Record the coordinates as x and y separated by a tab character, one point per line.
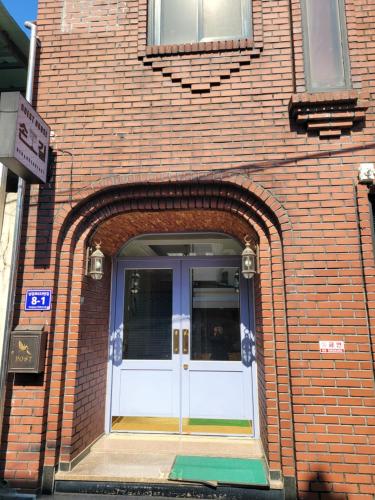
134	283
95	262
248	261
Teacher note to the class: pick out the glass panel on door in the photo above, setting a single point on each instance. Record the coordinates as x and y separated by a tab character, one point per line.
215	314
148	314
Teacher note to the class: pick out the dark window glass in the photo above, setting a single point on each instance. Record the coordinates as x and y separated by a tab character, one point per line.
188	21
326	59
148	314
215	330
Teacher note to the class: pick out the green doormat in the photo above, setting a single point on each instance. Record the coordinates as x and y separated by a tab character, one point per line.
249	471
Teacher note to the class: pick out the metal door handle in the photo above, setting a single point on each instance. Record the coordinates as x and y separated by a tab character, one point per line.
176	341
185	341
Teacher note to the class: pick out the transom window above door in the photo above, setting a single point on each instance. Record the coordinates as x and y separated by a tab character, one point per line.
174	22
182	245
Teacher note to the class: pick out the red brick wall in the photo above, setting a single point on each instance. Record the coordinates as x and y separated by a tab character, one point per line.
120	113
90	370
262	386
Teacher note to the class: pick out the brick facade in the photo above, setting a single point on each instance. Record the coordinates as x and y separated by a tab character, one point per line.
194	138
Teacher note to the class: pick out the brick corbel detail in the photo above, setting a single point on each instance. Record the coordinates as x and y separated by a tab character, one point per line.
192	74
329	114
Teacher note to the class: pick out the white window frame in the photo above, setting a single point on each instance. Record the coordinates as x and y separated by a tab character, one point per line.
154	27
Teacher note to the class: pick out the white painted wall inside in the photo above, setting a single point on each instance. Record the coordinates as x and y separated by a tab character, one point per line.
6	246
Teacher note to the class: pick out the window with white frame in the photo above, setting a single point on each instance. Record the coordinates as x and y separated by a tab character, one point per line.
174	22
325	45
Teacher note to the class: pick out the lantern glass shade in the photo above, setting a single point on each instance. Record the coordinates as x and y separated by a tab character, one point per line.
96	264
248	262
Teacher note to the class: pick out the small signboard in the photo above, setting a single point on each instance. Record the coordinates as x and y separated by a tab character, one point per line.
24	138
38	300
332	346
27	349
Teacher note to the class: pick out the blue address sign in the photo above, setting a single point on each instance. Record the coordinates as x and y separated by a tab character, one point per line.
38	300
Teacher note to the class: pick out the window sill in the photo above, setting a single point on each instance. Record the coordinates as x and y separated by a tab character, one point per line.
328	114
200	47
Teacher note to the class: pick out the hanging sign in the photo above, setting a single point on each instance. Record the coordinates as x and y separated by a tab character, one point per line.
24	138
335	346
38	300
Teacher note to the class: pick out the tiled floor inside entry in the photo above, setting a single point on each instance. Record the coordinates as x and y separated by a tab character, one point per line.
145	458
205	426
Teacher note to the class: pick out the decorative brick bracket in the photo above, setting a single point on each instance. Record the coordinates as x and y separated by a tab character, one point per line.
329	113
190	71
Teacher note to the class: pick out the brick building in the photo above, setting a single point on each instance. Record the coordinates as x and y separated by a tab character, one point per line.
180	130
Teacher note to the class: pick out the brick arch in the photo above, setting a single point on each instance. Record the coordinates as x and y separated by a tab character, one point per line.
113	232
245	212
239	187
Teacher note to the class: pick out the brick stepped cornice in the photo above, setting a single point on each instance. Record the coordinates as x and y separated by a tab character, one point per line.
187	68
329	113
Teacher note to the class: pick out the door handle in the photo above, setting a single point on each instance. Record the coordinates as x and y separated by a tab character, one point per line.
176	341
185	341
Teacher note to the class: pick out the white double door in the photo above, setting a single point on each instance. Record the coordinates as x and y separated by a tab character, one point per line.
183	355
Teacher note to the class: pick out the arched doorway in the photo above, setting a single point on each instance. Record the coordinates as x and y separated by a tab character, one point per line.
182	337
120	213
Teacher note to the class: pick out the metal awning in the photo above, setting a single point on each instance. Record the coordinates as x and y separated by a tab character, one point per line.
14	48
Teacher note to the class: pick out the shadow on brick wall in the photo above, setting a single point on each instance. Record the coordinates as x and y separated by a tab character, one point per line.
44	202
319	486
44	226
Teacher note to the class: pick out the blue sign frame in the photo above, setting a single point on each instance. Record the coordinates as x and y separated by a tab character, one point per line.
38	300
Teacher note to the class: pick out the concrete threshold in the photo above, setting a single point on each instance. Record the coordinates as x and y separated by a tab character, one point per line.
145	458
139	464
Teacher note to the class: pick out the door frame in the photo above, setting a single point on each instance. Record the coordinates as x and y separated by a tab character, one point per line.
162	263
